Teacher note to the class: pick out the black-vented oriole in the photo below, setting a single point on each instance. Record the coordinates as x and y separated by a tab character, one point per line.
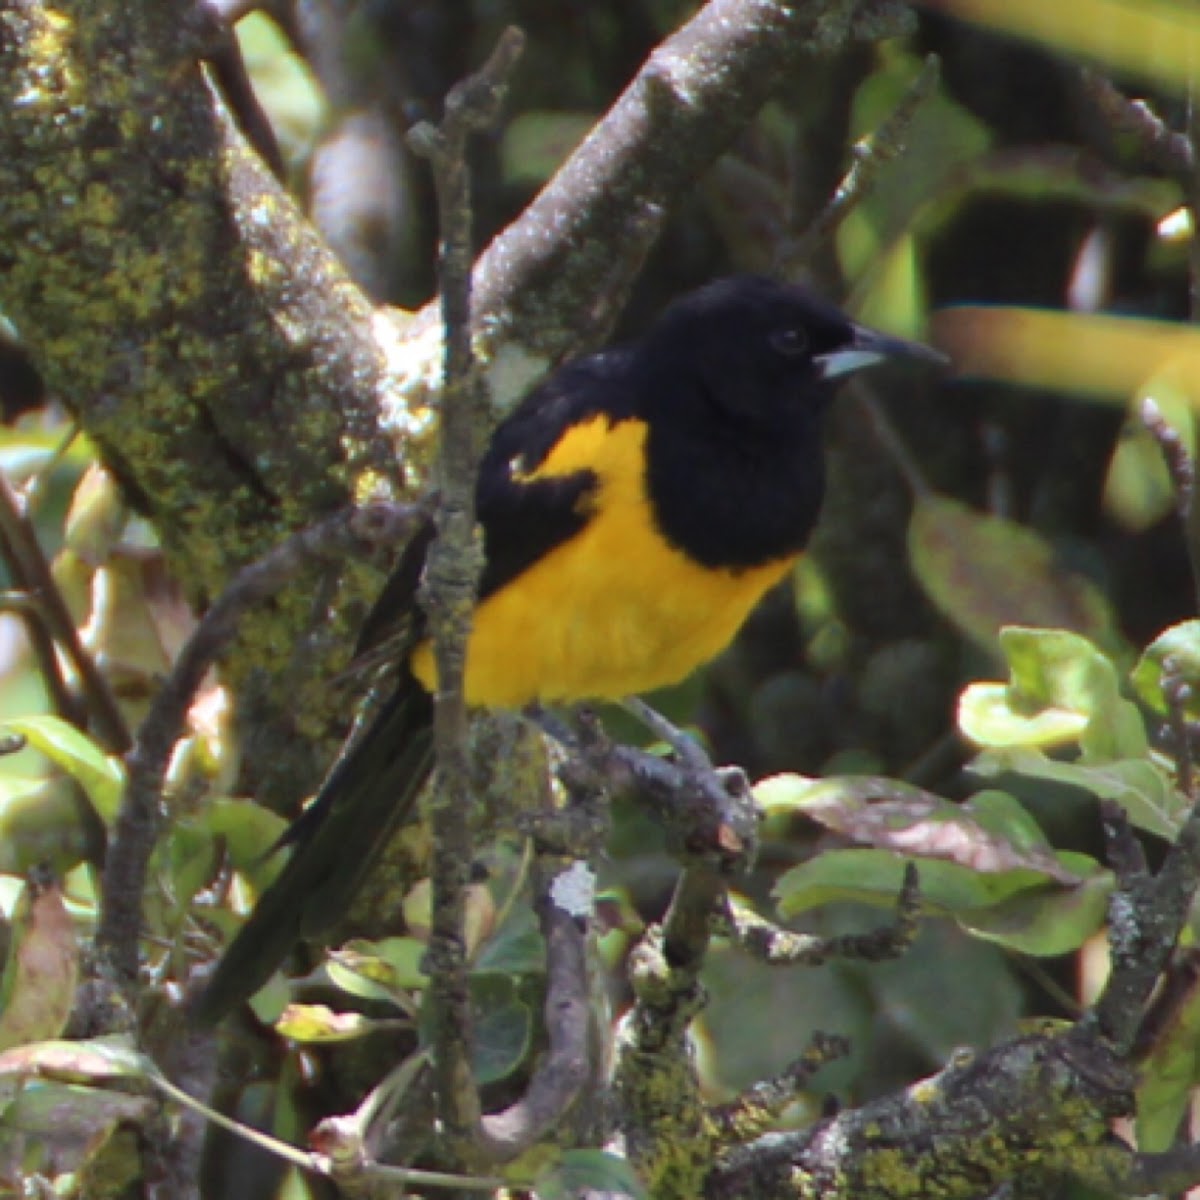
634	507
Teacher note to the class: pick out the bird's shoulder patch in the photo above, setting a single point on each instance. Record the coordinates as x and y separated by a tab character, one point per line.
538	481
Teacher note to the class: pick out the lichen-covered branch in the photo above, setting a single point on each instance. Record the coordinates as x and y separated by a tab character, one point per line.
451	577
206	340
557	277
1037	1107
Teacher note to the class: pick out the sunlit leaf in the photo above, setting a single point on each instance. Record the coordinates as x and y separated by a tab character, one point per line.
46	821
394	962
1060	687
1157	40
1142	787
101	776
1094	357
317	1024
1179	650
97	515
987	717
283	83
250	831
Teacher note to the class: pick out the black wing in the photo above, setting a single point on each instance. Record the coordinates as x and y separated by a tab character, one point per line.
523	521
375	783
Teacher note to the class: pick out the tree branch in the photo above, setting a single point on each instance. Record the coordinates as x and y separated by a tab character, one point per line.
139	820
451	577
556	279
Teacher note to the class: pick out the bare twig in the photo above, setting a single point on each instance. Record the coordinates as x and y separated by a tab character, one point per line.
557	277
776	946
140	817
1182	470
451	575
1158	142
868	156
41	640
32	574
224	58
759	1107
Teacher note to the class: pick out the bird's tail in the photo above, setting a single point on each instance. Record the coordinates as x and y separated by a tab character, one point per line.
368	795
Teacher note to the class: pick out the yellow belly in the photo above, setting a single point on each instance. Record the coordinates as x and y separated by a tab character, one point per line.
612	611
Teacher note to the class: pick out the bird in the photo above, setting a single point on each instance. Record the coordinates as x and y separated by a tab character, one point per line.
634	507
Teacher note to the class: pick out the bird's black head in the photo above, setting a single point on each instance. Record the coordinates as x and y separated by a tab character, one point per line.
734	380
765	354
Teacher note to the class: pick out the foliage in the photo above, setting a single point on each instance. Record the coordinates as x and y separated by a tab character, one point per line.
994	636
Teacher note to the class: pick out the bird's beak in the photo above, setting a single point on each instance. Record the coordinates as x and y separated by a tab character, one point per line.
869	348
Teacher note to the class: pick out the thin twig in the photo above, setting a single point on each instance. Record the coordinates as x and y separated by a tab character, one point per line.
64	703
32	573
868	157
451	576
1182	471
1157	141
763	1103
776	946
139	820
224	57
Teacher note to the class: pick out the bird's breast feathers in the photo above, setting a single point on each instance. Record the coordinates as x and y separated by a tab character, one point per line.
614	609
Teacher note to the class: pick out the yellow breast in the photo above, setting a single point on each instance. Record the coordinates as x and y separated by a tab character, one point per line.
614	610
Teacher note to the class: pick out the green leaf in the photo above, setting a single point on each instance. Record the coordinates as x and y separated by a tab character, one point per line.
537	142
318	1024
361	987
100	775
250	831
875	877
503	1026
1049	921
1138	489
1176	650
46	821
98	1061
1168	1074
386	970
395	962
283	83
991	834
983	573
987	717
516	948
1061	688
576	1172
1143	788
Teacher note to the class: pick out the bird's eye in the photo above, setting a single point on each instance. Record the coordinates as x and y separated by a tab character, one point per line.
792	341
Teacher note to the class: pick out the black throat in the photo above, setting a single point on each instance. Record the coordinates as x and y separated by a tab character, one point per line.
736	497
